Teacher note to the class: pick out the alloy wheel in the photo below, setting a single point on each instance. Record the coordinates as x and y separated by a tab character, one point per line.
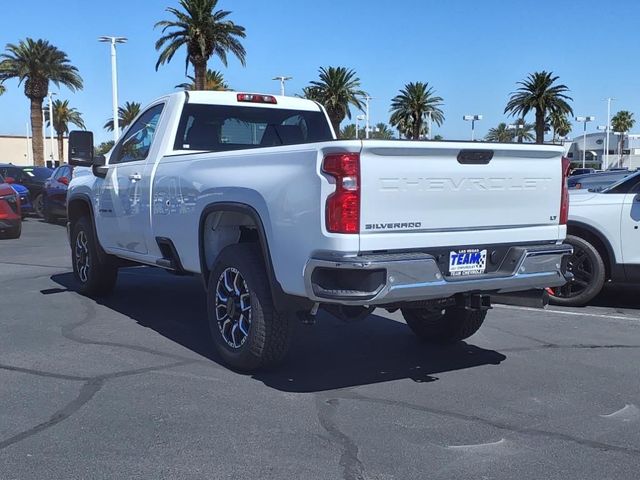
82	258
581	266
233	307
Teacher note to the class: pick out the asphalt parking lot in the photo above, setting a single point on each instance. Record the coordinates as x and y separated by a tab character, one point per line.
129	387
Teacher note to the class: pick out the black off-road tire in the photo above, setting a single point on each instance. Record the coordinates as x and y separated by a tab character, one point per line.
443	326
598	273
98	276
269	332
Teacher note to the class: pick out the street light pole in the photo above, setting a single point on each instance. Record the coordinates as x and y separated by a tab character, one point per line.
607	133
44	136
114	81
584	120
367	99
358	117
472	119
53	145
282	80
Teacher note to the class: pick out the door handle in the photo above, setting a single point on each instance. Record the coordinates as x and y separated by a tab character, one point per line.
134	177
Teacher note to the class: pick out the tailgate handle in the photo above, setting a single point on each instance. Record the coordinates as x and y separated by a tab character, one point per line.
475	157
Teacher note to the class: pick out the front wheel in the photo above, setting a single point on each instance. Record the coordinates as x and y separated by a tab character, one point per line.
247	330
448	325
589	273
96	274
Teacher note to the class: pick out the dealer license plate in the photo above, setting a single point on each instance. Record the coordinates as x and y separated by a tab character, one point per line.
470	261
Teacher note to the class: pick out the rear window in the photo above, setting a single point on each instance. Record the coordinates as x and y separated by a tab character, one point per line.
41	173
223	128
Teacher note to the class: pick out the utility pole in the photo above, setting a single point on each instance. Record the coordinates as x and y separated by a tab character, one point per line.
584	120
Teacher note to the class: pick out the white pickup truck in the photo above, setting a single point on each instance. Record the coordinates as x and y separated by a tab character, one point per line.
254	193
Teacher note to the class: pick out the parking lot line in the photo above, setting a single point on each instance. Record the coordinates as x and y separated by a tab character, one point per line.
575	314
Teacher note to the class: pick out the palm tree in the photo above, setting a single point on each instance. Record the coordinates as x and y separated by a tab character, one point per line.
502	133
2	89
336	89
539	93
410	109
348	131
126	115
214	80
63	115
205	32
382	132
523	131
622	122
560	124
104	147
37	62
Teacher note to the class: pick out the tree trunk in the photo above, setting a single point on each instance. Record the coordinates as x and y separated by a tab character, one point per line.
200	69
417	126
36	129
539	126
335	122
61	147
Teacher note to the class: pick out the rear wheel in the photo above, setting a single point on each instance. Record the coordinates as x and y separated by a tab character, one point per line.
95	271
589	274
38	205
448	325
247	330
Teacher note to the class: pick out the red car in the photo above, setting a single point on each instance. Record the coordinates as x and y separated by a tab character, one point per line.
10	213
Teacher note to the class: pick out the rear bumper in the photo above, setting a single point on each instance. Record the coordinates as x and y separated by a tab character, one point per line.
396	278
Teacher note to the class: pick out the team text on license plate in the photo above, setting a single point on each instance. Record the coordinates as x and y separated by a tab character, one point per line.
470	261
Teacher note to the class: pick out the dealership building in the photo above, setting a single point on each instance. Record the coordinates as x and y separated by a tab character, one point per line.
18	149
594	150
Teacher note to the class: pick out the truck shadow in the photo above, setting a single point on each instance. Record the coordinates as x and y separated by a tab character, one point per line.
618	296
327	356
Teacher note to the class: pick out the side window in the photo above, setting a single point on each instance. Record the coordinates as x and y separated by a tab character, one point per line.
57	173
137	143
16	173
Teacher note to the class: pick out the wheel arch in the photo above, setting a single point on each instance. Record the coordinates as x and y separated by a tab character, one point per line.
282	300
600	242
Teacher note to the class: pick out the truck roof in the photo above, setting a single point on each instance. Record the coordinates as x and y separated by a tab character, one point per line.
231	98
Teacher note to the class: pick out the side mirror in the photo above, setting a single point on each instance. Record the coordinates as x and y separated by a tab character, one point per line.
81	148
9	180
63	180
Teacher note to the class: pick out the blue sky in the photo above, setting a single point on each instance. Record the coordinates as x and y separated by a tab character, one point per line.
471	52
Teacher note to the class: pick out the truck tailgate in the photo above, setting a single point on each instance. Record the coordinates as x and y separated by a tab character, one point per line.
419	194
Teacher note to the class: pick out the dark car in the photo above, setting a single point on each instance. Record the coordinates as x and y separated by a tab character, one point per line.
596	182
581	171
31	177
55	193
10	213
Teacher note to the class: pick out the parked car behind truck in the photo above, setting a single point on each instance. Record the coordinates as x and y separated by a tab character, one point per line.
253	193
10	213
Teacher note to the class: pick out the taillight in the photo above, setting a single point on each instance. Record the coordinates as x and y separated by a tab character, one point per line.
564	199
256	98
343	205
